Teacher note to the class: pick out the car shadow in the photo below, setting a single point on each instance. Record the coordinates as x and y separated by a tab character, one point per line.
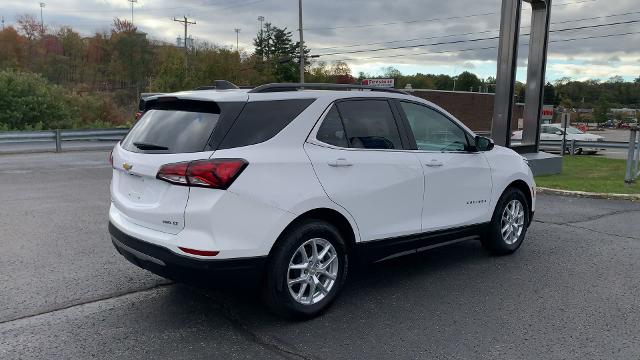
244	301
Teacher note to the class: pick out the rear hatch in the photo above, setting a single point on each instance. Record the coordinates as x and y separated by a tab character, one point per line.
171	130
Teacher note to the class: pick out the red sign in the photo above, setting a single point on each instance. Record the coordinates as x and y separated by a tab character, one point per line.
547	112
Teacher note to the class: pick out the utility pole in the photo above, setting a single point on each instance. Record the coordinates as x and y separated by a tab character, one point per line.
41	18
186	23
301	42
237	30
132	1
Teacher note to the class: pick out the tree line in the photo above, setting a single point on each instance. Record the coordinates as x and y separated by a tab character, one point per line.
57	78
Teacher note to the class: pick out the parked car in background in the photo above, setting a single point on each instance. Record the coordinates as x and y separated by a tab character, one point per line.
627	125
609	124
551	132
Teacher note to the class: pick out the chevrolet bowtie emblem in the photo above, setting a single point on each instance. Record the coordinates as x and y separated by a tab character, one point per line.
127	166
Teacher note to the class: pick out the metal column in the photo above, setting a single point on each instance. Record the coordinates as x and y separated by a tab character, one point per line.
507	66
534	98
506	76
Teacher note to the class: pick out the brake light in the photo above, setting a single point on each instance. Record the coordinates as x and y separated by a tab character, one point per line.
214	173
138	115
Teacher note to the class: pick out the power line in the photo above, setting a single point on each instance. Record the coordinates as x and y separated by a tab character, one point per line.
474	40
470	33
485	48
432	19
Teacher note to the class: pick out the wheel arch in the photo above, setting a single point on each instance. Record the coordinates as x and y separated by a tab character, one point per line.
331	216
526	190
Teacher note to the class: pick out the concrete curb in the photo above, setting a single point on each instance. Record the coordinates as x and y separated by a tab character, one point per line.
591	195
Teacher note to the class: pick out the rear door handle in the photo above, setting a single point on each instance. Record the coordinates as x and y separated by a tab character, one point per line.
434	163
340	163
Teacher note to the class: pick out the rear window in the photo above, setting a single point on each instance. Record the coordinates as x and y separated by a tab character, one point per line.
173	127
262	120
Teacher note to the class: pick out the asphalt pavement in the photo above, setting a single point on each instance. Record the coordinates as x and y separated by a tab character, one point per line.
44	146
571	292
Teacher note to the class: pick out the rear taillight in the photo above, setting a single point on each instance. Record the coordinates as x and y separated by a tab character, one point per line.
214	173
174	173
138	115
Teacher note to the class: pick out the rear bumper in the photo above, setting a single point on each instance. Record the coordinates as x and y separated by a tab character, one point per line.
166	263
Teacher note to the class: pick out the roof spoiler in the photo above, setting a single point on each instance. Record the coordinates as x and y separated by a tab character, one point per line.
219	85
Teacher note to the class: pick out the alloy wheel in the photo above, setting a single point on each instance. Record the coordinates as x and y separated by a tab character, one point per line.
512	224
313	270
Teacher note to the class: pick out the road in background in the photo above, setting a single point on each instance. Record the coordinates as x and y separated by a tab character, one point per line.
620	135
50	146
571	292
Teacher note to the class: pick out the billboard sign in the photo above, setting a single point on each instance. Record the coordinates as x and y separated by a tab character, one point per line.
383	83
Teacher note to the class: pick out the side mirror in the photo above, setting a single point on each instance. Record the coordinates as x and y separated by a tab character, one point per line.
559	133
484	143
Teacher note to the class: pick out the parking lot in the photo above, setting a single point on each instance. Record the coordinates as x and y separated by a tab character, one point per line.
571	292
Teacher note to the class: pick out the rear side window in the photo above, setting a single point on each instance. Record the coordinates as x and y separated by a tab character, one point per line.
173	127
331	131
370	124
262	120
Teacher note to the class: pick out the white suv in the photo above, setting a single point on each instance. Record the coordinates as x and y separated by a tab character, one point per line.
293	186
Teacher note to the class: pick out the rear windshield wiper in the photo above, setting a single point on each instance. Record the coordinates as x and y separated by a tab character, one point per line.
145	146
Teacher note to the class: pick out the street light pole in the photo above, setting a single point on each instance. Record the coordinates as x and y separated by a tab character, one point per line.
301	42
41	18
237	30
132	1
261	19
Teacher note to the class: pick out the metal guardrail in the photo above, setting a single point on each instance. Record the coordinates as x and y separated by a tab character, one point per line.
60	136
575	144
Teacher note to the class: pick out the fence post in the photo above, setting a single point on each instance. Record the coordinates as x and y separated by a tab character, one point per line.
636	169
58	141
630	176
573	147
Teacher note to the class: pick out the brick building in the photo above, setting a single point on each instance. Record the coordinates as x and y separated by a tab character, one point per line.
474	109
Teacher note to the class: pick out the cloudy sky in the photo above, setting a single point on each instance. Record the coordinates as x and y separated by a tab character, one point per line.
350	29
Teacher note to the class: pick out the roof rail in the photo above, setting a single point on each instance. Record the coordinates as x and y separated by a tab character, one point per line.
284	87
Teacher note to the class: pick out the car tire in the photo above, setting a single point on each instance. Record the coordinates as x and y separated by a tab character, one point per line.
509	223
296	291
